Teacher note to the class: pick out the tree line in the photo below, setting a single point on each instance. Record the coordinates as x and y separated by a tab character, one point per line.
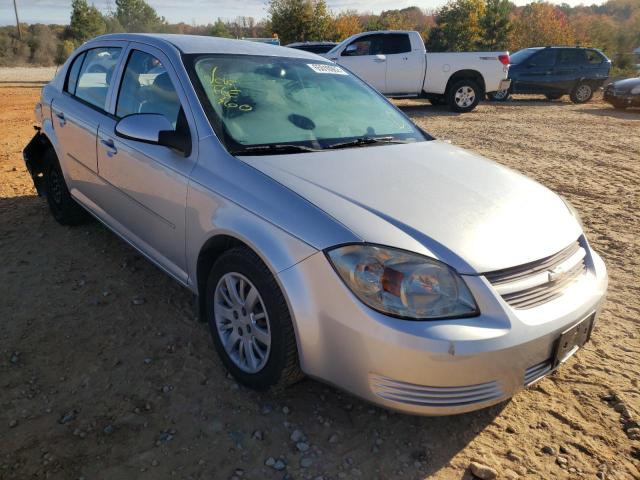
459	25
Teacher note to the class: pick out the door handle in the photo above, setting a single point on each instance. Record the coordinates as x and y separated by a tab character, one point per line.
61	118
379	60
110	147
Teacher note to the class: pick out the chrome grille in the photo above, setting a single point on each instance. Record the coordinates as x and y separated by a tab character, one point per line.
535	283
433	396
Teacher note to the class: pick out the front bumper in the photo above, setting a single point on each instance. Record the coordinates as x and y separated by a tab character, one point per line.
621	99
429	367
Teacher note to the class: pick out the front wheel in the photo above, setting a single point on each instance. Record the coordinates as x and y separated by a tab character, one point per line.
582	93
250	322
463	96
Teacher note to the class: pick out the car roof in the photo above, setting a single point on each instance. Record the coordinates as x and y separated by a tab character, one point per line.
190	44
309	44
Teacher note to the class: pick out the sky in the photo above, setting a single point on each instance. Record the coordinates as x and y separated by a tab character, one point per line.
204	11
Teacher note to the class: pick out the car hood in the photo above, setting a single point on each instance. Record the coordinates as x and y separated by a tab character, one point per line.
626	84
431	198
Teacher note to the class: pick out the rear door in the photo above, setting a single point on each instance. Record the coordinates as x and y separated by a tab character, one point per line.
405	67
148	183
569	67
80	109
537	73
364	57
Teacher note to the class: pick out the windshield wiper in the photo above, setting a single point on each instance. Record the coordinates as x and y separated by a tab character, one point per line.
273	149
362	141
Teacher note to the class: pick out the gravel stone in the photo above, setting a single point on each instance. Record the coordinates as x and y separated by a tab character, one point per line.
298	436
483	472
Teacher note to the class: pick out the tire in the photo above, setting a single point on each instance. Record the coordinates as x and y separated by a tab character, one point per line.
63	207
581	93
463	95
499	96
553	96
279	366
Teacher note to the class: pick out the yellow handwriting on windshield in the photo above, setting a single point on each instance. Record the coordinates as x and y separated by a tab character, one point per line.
227	92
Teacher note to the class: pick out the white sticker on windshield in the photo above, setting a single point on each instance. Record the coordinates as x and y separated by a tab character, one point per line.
324	68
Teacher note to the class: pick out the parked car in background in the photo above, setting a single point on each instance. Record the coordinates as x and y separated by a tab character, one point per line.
323	232
623	93
397	64
555	72
313	47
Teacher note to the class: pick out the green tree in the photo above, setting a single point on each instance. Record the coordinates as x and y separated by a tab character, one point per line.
220	29
86	22
457	26
496	25
138	16
300	20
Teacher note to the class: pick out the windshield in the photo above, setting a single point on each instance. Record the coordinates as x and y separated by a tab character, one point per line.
521	55
276	101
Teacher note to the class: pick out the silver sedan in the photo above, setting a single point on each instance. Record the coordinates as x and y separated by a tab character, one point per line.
322	231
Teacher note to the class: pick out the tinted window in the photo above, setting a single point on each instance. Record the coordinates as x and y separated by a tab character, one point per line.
367	45
396	43
571	56
544	58
593	57
74	71
521	55
95	75
147	88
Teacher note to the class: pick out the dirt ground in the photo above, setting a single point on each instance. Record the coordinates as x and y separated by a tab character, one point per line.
96	386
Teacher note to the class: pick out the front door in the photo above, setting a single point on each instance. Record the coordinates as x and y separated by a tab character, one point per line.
149	182
364	57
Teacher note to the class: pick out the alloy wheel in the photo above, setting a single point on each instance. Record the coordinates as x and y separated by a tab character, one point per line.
583	93
465	96
242	322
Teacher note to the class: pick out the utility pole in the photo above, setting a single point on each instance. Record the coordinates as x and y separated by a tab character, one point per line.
15	8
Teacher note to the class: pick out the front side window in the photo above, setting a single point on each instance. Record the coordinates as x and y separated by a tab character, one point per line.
96	74
257	101
593	57
147	88
367	45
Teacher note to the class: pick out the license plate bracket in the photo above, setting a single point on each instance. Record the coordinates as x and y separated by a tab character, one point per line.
572	339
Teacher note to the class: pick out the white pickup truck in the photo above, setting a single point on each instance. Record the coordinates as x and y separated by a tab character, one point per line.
397	64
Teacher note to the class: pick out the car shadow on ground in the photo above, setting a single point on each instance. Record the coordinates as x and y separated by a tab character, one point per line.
155	353
628	114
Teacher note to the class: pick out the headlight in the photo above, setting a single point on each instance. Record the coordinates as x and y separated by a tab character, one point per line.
403	284
635	90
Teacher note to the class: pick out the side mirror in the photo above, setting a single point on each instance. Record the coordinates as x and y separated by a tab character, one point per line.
350	51
155	129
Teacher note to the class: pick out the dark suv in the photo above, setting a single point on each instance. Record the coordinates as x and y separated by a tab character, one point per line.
557	71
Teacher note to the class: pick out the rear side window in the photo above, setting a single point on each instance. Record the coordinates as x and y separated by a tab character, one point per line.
571	56
96	74
147	88
74	71
544	58
396	43
593	57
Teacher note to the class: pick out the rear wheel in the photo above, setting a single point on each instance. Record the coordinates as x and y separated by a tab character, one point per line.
250	322
553	96
463	95
581	93
499	96
63	207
